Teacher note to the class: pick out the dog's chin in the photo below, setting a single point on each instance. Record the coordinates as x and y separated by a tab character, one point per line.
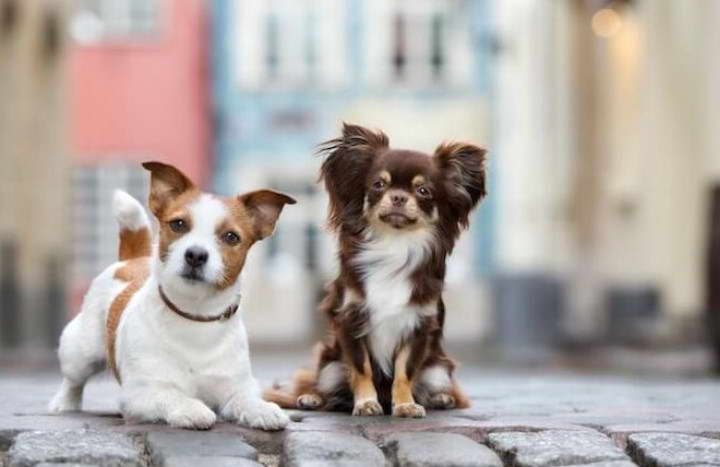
398	220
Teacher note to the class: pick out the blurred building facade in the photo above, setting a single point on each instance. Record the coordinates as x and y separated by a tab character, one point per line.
139	90
34	176
288	72
602	220
607	116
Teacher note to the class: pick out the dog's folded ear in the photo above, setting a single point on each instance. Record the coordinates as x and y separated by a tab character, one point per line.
265	207
344	171
166	183
464	168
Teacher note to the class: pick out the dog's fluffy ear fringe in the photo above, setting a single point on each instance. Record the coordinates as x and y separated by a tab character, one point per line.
344	170
465	167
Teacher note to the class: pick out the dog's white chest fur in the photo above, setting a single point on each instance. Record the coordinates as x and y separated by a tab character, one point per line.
386	264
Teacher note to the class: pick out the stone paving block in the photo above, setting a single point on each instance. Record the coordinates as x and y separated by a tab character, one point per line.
620	433
74	446
209	461
555	448
377	428
177	446
329	449
6	439
63	464
607	464
673	449
438	450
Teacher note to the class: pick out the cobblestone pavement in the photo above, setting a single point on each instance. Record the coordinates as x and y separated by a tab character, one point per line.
529	419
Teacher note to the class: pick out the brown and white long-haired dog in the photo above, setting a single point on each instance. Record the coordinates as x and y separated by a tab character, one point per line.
397	214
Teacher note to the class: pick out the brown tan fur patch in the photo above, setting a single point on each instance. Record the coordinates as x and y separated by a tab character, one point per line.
135	272
175	208
242	224
134	244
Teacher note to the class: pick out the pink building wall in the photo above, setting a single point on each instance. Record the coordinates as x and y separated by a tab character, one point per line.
146	98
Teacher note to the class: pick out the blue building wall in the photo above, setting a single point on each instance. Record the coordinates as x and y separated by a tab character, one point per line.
283	126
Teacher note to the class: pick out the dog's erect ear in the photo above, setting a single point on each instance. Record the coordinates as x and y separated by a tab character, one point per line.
265	207
166	183
464	168
344	171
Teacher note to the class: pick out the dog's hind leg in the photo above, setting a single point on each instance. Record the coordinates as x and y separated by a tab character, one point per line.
437	389
330	378
82	343
82	354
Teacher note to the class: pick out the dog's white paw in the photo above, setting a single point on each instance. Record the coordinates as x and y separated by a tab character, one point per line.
265	416
409	410
367	408
194	415
64	402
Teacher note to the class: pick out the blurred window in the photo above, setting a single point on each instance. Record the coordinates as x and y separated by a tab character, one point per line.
418	43
116	20
291	43
95	230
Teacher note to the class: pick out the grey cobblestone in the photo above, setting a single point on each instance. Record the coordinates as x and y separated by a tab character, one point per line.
209	461
438	450
63	464
310	449
607	464
673	449
76	446
555	448
180	448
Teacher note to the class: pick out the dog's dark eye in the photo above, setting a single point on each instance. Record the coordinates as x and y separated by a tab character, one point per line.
423	191
378	185
231	238
178	225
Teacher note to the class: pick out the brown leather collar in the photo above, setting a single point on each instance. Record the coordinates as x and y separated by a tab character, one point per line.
227	314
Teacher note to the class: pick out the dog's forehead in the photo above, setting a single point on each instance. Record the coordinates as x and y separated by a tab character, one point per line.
208	210
404	165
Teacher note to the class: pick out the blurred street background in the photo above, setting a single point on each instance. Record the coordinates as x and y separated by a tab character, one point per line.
597	249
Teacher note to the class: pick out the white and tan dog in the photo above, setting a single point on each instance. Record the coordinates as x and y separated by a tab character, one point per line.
164	317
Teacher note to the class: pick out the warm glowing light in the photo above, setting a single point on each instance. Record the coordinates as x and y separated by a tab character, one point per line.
606	22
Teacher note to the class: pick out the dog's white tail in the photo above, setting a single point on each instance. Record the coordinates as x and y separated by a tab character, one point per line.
135	239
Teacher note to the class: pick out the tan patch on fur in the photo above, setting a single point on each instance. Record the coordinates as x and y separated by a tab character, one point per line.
462	401
252	216
418	180
175	208
241	222
410	209
362	382
402	386
134	244
385	176
135	272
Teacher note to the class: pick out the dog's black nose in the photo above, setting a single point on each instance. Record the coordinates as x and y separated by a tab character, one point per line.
196	256
398	200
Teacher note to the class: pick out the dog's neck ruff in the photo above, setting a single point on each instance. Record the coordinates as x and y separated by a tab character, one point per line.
227	314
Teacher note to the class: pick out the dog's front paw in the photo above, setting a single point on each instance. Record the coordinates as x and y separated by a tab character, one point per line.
192	416
367	407
442	402
64	403
409	410
265	416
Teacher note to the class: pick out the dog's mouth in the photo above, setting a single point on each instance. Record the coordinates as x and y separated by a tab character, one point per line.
193	275
397	220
